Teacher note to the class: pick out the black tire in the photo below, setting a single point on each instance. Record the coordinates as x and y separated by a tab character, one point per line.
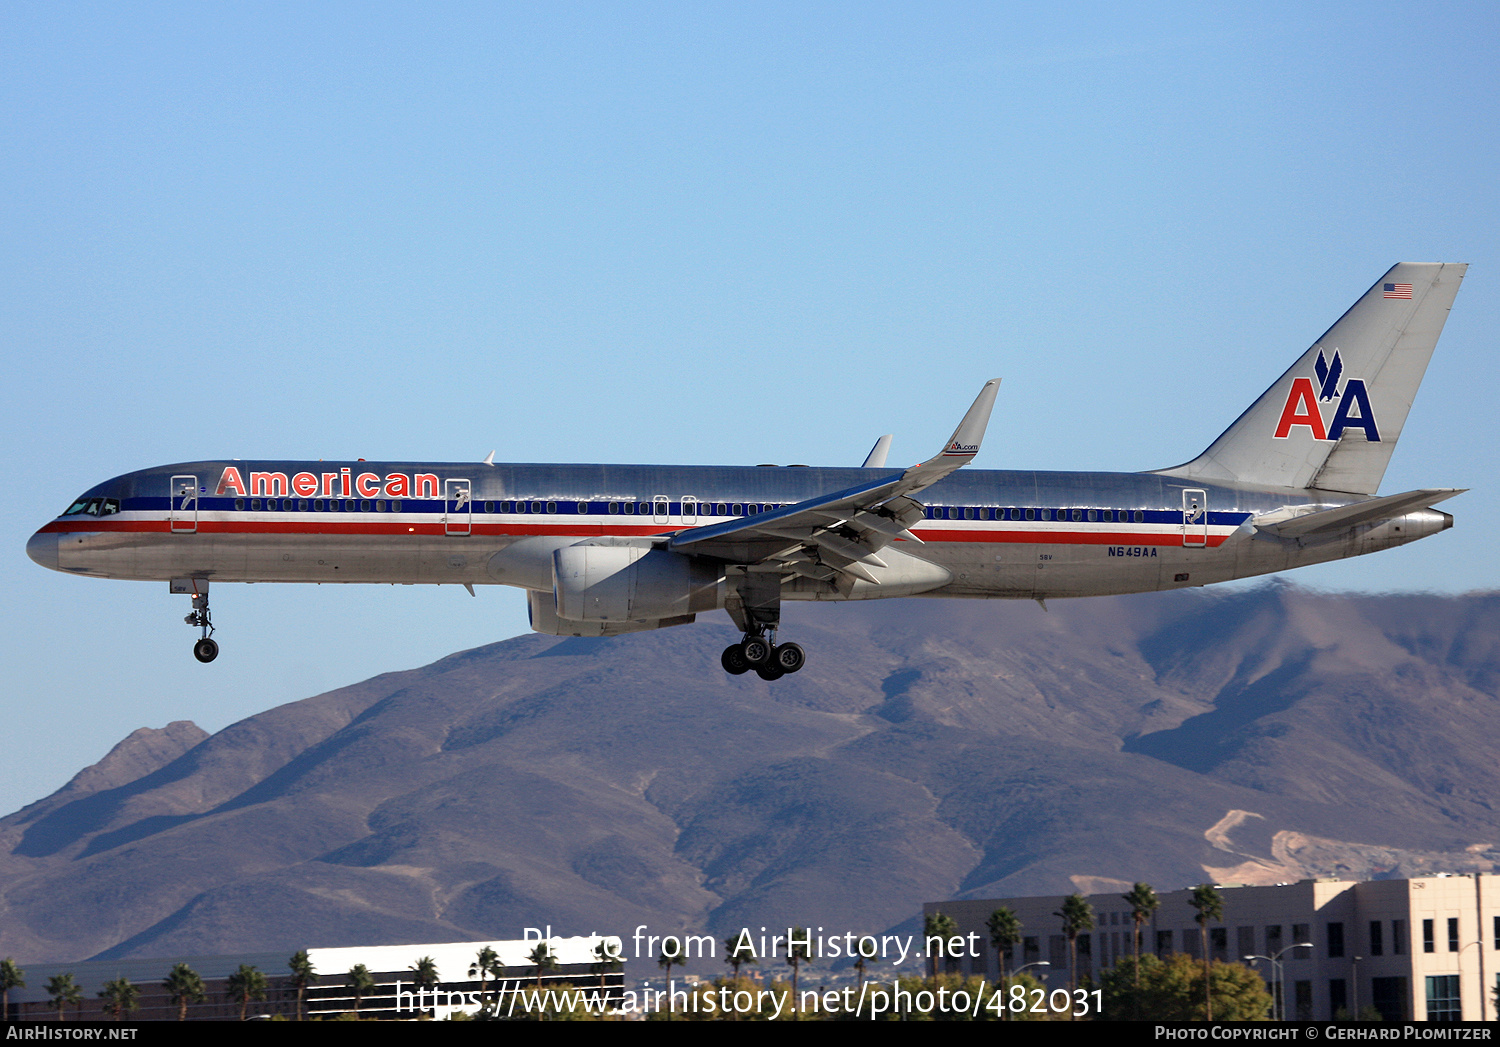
770	671
756	652
733	660
789	657
205	650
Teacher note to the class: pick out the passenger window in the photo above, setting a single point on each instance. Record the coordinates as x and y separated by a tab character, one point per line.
1093	516
614	507
255	505
349	505
396	507
302	505
364	506
552	507
1140	517
239	505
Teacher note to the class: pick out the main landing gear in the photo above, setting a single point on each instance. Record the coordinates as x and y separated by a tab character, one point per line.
204	648
771	661
755	606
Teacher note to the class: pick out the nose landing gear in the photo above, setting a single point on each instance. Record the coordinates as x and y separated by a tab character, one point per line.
204	648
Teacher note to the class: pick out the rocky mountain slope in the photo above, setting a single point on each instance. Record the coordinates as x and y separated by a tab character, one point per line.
930	748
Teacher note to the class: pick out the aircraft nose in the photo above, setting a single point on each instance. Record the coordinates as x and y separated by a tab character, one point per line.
43	549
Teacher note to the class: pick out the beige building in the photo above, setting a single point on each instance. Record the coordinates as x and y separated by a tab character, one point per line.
1426	949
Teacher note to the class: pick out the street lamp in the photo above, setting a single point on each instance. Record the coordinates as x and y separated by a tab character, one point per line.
1278	1000
1005	1014
1483	996
1354	1014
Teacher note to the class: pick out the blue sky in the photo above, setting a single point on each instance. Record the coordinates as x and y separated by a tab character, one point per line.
684	233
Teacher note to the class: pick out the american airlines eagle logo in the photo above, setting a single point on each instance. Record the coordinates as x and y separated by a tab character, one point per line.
1303	400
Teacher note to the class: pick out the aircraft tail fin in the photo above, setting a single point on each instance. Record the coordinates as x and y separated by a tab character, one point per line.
1333	419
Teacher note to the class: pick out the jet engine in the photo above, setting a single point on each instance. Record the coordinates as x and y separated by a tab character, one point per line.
613	581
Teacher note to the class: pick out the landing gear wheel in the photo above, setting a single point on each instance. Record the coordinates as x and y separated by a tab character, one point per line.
205	650
733	660
788	657
756	652
770	671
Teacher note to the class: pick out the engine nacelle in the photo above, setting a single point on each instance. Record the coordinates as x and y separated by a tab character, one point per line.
606	581
544	619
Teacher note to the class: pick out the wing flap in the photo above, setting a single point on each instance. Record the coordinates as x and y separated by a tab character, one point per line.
841	531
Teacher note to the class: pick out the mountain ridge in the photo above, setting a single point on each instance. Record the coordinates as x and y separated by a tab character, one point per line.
929	749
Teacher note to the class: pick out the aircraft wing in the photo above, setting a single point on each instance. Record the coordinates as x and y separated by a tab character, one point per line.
1368	511
838	533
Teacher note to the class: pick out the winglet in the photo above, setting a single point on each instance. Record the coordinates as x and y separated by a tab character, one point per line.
876	458
489	459
965	440
961	448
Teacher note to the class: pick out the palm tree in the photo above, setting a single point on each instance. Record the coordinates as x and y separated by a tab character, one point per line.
484	965
543	959
1143	902
246	984
606	960
1077	916
942	927
666	961
360	982
302	976
796	955
184	986
737	955
11	977
1210	906
63	990
1005	932
120	997
861	964
425	973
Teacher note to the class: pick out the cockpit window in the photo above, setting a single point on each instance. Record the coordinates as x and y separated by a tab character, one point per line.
94	507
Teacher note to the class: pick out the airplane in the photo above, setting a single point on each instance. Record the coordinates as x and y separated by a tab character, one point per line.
603	550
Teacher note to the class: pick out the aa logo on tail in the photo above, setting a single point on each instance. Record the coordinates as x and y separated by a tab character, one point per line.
1302	404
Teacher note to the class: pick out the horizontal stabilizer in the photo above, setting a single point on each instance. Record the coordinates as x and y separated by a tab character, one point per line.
1370	511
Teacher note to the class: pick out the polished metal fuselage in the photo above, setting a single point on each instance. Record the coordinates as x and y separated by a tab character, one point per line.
1015	534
